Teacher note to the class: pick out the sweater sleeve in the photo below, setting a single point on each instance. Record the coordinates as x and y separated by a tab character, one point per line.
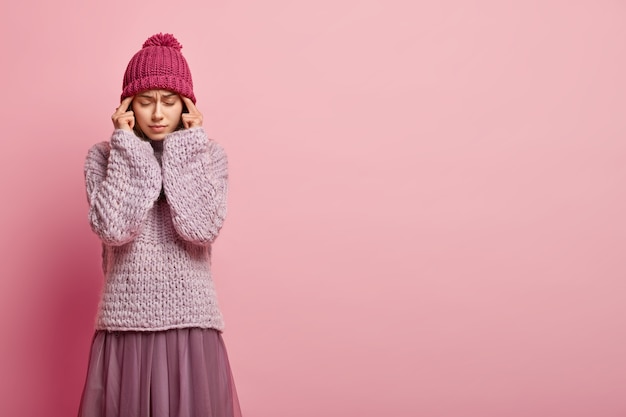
123	180
195	181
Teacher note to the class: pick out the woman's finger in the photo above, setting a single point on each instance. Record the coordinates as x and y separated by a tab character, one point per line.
190	106
125	120
191	120
123	107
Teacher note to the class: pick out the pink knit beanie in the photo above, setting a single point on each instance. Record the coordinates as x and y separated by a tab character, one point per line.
158	65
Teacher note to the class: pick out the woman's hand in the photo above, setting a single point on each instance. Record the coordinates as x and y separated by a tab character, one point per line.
123	119
194	117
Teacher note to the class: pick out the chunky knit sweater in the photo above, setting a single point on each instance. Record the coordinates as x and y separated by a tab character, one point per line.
157	207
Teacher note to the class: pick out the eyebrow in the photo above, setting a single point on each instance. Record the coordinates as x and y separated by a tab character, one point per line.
144	95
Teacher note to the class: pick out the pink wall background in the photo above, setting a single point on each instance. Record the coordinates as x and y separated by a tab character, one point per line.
426	211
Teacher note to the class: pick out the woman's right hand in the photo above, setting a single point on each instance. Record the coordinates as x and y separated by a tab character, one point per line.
123	119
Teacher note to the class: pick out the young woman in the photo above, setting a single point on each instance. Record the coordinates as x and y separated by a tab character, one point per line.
157	200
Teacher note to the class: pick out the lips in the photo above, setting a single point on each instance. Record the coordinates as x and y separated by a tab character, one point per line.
157	128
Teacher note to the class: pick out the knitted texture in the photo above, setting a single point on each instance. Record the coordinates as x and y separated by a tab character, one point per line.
157	249
158	65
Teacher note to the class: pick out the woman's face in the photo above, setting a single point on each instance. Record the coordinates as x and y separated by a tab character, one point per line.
157	112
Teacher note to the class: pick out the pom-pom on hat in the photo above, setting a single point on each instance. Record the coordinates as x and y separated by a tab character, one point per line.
158	65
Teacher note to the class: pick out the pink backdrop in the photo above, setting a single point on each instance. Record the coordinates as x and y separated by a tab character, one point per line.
426	211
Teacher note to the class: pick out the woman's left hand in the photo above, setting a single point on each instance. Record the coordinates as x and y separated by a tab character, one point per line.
194	117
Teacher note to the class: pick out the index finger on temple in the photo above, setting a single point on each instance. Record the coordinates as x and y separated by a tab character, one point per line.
125	103
190	106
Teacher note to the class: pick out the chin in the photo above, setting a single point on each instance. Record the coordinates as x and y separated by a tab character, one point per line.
157	136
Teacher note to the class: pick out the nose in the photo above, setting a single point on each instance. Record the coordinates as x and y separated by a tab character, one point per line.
157	114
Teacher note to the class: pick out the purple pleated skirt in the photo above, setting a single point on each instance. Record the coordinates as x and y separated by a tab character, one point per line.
171	373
